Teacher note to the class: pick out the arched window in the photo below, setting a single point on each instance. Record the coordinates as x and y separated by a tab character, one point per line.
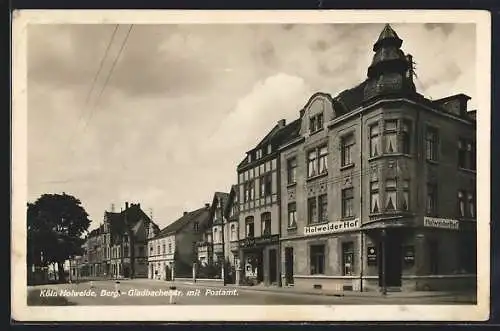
216	236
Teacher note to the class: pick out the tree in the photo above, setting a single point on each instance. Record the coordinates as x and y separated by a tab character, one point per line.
55	225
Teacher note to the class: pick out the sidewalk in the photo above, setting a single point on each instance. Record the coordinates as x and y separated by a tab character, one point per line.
276	289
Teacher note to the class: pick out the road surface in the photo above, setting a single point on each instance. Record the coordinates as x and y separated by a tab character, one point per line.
150	292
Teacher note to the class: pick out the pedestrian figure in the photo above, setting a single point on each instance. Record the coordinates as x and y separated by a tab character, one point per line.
91	284
117	287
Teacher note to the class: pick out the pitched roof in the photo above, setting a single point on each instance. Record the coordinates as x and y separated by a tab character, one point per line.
127	219
199	215
350	99
277	136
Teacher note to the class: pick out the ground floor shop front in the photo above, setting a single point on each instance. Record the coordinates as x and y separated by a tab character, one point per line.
258	261
161	269
383	258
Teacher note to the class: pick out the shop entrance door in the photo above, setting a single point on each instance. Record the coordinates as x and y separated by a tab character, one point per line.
289	265
391	260
273	269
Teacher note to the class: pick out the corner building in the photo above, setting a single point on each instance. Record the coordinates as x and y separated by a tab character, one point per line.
379	185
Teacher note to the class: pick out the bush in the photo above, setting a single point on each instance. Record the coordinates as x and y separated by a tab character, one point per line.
208	271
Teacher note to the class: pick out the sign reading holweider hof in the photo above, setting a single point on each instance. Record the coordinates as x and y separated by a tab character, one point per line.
332	227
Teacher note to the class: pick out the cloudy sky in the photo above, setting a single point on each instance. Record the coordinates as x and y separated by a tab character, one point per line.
185	102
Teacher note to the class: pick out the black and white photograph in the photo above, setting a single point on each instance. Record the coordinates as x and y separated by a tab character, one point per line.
281	166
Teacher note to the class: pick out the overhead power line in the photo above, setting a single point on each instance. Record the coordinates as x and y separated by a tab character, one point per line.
108	78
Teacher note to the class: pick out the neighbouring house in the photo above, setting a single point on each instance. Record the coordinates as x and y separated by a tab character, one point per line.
173	250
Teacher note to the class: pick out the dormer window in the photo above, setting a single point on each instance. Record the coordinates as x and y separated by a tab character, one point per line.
269	149
259	153
316	122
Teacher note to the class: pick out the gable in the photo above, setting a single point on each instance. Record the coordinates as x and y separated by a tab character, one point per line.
319	103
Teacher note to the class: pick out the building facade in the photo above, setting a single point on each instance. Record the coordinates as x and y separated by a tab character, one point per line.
378	186
173	250
259	209
117	248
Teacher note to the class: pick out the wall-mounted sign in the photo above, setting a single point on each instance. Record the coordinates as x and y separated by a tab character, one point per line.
332	227
441	223
409	254
371	255
259	241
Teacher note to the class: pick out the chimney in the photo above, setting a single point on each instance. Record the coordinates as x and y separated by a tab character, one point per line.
207	205
281	123
126	205
302	112
139	205
185	213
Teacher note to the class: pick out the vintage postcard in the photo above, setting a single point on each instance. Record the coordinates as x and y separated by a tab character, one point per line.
251	165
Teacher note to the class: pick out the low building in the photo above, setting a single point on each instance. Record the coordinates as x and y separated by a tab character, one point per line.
379	185
173	250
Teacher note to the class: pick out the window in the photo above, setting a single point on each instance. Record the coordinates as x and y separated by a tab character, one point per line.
150	250
347	144
431	144
317	161
323	157
405	137
125	238
374	140
259	154
316	122
312	169
249	190
233	232
216	236
323	208
466	154
169	248
472	205
434	257
125	251
158	250
163	249
461	203
292	170
405	201
292	215
431	205
265	219
196	226
348	258
390	135
374	197
269	149
317	260
347	202
249	227
265	185
390	192
312	211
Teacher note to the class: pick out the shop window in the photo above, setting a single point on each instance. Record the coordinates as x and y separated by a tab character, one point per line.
317	259
461	203
348	258
292	170
323	208
390	195
292	215
374	140
472	205
347	147
249	227
266	224
312	210
347	202
431	144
